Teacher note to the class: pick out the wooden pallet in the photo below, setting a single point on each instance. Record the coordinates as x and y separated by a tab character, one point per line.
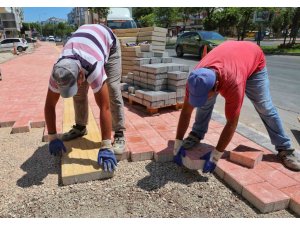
152	111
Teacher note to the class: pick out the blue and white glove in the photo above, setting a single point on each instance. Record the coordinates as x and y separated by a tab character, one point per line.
211	160
106	156
178	152
56	146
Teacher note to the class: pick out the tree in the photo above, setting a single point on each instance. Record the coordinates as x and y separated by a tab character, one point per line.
147	20
164	17
139	12
102	12
225	19
295	25
287	19
244	22
209	23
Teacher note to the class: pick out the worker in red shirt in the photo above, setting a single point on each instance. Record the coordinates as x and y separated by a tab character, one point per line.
231	69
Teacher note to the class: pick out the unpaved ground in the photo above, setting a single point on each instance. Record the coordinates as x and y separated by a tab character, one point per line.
30	188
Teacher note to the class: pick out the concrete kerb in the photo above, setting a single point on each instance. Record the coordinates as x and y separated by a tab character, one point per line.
253	135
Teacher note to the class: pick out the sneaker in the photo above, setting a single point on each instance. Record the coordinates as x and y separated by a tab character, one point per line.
290	159
73	133
191	140
119	144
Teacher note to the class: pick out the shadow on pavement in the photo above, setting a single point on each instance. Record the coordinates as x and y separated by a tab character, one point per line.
162	173
38	166
296	134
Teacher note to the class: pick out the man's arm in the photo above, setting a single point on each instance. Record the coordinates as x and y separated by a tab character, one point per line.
184	119
227	133
49	111
102	100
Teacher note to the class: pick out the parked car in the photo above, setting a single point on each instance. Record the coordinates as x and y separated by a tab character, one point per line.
8	44
30	40
58	39
51	38
193	42
43	38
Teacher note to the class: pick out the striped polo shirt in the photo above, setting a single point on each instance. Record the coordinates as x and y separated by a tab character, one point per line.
90	45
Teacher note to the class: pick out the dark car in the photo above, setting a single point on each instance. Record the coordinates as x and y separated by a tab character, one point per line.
193	42
30	40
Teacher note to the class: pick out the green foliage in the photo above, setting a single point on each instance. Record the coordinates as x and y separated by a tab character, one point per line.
102	12
141	12
147	20
164	17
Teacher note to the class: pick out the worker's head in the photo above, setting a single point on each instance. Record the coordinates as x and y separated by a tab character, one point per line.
67	73
201	83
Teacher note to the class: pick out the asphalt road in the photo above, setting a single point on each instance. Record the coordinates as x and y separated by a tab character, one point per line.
284	78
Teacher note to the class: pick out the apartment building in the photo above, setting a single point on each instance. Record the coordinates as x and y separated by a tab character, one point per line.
11	19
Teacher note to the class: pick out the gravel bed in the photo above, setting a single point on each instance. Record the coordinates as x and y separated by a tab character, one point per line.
30	187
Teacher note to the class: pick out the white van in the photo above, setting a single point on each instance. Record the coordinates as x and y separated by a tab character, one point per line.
120	18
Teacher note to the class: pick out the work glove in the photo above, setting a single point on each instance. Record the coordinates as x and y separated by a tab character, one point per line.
211	160
178	152
106	156
56	146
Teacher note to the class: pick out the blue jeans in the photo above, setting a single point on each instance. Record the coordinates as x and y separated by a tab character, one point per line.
258	91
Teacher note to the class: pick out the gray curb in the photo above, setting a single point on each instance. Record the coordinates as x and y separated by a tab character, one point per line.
253	135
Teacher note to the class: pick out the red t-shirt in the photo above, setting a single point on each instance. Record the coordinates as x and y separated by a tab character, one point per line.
235	62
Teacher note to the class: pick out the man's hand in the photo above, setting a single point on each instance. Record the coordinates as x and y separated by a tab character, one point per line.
106	156
211	160
56	146
107	159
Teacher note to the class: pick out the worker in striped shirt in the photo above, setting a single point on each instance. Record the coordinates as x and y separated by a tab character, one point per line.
91	57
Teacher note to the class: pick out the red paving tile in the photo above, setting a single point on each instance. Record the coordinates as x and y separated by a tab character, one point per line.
265	197
147	136
246	156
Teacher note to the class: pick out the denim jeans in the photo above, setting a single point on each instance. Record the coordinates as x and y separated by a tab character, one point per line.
113	69
258	91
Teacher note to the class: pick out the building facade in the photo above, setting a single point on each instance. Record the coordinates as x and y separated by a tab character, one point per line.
11	19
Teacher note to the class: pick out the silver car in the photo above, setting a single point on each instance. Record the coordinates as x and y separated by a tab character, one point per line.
8	44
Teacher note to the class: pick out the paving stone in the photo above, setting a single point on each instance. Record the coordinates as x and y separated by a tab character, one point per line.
157	29
152	38
144	80
146	47
156	81
176	82
144	85
154	104
160	54
177	88
125	94
143	75
177	75
171	101
265	197
130	54
131	49
152	33
155	68
157	87
131	89
145	54
141	61
155	60
294	193
157	76
153	96
140	93
246	156
166	59
238	178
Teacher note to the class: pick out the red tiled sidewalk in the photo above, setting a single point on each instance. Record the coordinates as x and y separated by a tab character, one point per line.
24	87
268	186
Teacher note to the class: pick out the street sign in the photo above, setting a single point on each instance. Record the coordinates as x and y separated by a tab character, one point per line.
261	16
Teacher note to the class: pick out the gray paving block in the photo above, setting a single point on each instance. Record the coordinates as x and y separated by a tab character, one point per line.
177	75
156	81
144	85
156	104
175	88
157	87
124	86
146	47
155	60
157	76
166	59
155	68
154	96
135	98
142	61
140	93
136	72
144	80
176	82
143	75
125	94
160	54
171	94
123	79
130	75
186	68
129	81
145	54
171	101
137	83
131	89
136	78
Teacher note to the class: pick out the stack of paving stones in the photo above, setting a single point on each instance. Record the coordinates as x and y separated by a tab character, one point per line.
156	36
154	81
